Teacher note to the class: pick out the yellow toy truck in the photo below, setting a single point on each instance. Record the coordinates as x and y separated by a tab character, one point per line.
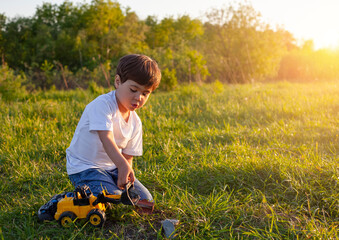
83	204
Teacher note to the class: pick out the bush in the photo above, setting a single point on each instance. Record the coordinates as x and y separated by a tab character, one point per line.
218	87
95	89
168	79
11	84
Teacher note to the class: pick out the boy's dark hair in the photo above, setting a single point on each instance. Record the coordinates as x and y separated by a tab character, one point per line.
139	68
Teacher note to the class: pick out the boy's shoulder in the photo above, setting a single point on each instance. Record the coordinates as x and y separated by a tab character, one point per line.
108	98
105	101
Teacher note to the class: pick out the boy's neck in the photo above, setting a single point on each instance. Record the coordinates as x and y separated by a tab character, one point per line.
123	111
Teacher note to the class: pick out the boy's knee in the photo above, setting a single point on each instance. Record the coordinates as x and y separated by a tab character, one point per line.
145	195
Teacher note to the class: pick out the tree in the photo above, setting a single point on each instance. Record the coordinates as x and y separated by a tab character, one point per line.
101	42
17	34
2	39
132	35
239	47
174	43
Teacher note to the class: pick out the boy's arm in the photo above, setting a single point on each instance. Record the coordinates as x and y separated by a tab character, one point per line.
129	158
126	172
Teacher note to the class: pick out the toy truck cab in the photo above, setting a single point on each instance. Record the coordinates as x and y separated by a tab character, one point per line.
81	206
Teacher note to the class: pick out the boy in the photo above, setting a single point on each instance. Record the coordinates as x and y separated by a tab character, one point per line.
109	133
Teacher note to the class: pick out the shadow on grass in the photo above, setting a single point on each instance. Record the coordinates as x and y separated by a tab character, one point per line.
313	187
203	180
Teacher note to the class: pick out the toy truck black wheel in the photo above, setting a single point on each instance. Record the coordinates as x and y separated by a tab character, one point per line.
96	217
66	219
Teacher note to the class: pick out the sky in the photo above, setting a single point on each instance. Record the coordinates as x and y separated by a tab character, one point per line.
315	20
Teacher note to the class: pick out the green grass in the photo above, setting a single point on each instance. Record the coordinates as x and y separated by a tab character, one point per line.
230	162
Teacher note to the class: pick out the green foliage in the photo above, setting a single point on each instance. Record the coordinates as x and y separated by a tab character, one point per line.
197	66
233	45
11	84
103	19
95	89
2	40
173	44
132	35
46	68
168	79
250	162
218	86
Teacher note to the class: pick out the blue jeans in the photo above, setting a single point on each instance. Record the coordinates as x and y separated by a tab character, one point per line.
98	179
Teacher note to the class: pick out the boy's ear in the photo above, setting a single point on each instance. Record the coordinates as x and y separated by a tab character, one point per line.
117	81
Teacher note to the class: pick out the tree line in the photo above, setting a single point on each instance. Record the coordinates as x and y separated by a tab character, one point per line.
69	46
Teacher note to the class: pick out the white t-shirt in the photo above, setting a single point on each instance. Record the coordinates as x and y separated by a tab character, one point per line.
86	149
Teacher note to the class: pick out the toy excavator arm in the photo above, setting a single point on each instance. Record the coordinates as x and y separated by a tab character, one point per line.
104	198
129	196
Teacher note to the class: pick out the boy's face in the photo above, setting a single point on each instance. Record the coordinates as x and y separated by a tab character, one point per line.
130	95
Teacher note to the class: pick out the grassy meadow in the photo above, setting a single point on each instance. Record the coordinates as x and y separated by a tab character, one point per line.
229	161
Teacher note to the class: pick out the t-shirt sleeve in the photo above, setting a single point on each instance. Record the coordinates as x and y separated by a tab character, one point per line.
134	145
100	116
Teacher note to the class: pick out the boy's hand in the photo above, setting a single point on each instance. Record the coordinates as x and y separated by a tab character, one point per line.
125	175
